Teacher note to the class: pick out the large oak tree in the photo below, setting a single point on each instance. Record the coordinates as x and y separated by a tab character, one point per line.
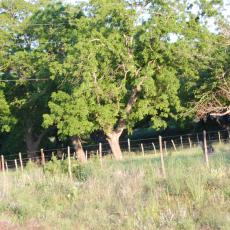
120	68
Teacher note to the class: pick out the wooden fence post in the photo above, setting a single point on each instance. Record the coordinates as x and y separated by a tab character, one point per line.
100	153
6	166
219	137
86	155
16	164
142	149
97	154
154	148
181	141
43	157
205	149
174	146
100	150
129	147
197	137
162	158
190	142
165	146
2	163
20	159
69	164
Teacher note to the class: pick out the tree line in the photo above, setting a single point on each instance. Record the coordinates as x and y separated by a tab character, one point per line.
69	70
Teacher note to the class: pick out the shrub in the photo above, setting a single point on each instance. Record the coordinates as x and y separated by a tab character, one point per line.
56	166
80	171
31	166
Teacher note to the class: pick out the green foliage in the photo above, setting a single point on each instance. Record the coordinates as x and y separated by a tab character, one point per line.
208	92
112	55
211	93
107	66
80	171
70	113
6	118
20	62
30	166
56	166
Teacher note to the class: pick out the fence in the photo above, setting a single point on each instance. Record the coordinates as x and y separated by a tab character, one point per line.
155	145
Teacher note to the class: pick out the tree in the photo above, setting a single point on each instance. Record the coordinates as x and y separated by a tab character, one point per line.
56	41
21	64
71	114
125	70
212	89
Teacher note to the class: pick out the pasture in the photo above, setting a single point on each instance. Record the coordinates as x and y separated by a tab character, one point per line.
130	194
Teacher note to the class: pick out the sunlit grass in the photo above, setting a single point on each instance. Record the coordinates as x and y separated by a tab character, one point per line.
130	194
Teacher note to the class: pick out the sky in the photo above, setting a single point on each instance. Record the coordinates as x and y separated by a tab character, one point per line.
226	11
211	24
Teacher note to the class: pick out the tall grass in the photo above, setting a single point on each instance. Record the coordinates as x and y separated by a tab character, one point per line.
131	194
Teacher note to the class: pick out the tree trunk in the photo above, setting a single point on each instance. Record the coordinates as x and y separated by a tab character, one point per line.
32	147
79	149
113	139
32	140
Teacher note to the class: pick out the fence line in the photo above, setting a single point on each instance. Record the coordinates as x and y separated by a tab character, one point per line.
171	143
185	137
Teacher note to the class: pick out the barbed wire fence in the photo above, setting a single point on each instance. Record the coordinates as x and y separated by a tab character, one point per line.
145	146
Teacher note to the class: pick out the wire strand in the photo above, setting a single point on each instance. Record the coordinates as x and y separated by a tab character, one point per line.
30	79
93	148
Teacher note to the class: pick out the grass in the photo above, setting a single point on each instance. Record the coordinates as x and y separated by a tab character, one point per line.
131	194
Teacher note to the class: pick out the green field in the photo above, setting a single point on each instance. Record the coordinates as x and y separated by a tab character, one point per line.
131	194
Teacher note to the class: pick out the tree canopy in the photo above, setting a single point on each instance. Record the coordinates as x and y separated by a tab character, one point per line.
105	65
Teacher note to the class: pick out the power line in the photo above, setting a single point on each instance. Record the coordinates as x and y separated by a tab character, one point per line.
33	43
31	79
142	10
47	24
36	24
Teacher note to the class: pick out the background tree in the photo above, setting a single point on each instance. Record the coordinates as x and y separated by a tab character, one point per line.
212	93
21	64
71	114
56	41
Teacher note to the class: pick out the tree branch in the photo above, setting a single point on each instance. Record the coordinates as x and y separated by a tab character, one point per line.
220	114
132	100
133	96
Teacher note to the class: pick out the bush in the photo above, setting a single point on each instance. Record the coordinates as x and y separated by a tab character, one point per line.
31	166
80	171
56	166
